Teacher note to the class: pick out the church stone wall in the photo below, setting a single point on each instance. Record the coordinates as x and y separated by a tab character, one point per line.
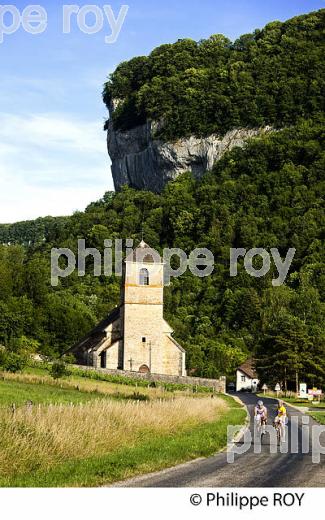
218	385
112	353
172	358
143	318
143	294
143	321
156	274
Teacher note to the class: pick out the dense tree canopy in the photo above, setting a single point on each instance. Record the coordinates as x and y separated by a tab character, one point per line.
267	194
271	77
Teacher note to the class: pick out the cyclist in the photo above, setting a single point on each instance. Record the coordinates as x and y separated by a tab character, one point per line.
260	414
281	419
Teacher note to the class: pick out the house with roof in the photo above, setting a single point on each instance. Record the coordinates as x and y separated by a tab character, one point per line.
135	336
246	377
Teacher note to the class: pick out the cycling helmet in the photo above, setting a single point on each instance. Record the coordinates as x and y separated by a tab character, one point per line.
260	403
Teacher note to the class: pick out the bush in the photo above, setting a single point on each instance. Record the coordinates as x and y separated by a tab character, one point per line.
58	369
11	361
69	359
139	397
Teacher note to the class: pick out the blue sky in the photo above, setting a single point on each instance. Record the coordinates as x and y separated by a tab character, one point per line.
53	157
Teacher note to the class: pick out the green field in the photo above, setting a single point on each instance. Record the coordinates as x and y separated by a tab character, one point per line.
12	392
318	416
304	402
318	408
36	385
296	401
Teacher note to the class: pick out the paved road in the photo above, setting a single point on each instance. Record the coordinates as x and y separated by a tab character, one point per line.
249	469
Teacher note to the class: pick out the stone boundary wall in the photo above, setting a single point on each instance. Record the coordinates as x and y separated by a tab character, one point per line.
218	385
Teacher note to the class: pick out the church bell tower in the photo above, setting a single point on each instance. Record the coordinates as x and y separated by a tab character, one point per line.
142	311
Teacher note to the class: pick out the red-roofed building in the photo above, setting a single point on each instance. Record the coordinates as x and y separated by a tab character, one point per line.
246	377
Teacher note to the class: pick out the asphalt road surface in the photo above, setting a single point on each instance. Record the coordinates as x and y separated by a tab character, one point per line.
250	469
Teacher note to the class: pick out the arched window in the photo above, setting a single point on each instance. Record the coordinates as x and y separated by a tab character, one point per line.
144	276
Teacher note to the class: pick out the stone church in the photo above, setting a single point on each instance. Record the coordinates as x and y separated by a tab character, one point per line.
134	336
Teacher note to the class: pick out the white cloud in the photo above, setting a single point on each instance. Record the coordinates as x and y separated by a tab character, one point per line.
26	202
50	130
19	93
50	164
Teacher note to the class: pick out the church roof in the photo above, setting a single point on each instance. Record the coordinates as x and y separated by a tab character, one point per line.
144	253
176	343
97	335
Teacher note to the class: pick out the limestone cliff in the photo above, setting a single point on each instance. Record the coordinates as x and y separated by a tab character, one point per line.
144	162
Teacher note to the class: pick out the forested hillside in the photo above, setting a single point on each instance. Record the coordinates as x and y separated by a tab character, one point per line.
273	76
32	232
269	194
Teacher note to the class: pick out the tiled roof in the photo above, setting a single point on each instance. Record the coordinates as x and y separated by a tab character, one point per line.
249	368
97	335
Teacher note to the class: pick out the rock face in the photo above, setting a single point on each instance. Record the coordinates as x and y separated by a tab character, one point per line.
143	162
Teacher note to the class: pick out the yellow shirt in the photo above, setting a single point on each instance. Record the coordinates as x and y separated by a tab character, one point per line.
282	411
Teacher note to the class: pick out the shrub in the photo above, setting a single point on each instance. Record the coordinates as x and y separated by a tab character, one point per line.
58	370
11	361
139	397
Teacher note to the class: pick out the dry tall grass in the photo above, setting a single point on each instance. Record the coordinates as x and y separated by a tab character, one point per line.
85	385
40	437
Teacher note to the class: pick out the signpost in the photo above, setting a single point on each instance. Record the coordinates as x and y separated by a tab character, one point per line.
264	388
303	391
277	389
314	392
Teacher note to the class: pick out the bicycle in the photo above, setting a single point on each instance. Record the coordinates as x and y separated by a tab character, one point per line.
279	427
260	423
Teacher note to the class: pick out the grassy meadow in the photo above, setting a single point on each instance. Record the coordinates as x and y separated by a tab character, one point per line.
18	391
81	432
317	407
291	398
39	387
318	416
